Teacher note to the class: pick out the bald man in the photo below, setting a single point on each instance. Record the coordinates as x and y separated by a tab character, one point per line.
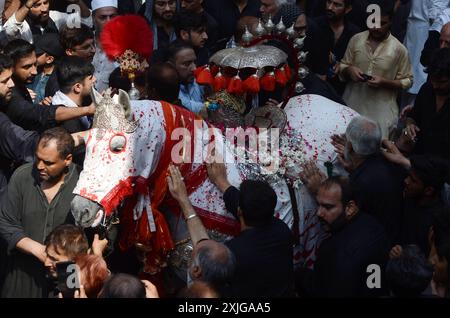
444	39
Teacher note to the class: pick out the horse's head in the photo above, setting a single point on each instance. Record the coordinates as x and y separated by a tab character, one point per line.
114	159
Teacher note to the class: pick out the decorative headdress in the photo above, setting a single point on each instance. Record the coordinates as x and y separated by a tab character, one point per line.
268	64
128	40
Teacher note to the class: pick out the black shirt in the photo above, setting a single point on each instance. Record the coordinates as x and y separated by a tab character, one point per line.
27	115
343	259
212	29
431	46
378	186
339	47
358	15
16	147
417	222
434	135
264	257
227	14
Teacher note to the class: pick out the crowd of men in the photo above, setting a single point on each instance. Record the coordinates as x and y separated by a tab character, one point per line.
390	210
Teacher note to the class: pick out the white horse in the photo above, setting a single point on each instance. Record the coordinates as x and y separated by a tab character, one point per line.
127	153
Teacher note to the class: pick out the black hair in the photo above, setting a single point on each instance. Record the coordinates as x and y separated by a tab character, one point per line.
5	62
64	141
71	37
174	48
440	63
387	7
347	192
123	286
163	79
118	81
257	201
348	3
432	171
69	239
72	70
409	274
186	21
18	49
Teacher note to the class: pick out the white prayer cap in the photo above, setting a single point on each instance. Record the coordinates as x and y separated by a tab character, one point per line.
97	4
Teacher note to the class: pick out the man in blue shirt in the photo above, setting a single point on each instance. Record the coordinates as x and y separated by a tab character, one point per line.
183	57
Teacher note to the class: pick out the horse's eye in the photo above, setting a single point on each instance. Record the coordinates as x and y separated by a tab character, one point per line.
117	143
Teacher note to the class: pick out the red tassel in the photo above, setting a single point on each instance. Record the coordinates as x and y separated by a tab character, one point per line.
199	69
280	77
205	77
251	84
287	71
268	82
235	86
220	83
214	69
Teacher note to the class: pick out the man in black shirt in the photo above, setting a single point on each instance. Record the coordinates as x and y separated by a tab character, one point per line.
356	241
263	249
378	183
434	42
423	187
334	27
160	14
21	109
212	29
227	13
428	124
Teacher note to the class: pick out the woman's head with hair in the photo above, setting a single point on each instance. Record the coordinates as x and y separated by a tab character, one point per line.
93	273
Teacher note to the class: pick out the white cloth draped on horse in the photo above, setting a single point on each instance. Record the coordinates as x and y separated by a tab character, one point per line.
111	175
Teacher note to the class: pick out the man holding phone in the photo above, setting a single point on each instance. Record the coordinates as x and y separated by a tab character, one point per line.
376	66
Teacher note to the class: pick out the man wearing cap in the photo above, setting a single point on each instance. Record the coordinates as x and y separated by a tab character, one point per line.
102	12
34	17
48	51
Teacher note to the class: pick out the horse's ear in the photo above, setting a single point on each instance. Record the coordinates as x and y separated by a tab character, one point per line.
124	100
96	96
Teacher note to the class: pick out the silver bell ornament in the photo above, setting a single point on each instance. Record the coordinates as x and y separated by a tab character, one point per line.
280	27
299	87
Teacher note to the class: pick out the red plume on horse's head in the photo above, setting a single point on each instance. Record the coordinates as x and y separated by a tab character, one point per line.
128	32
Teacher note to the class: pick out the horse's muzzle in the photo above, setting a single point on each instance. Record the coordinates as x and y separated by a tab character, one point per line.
85	211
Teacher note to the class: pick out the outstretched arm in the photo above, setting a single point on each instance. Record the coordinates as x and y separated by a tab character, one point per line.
178	190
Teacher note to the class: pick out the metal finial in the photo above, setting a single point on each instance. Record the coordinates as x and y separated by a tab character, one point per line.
269	25
303	72
290	32
301	56
247	37
280	27
260	31
299	87
299	43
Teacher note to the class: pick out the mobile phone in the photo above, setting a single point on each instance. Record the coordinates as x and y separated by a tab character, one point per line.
68	281
366	77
